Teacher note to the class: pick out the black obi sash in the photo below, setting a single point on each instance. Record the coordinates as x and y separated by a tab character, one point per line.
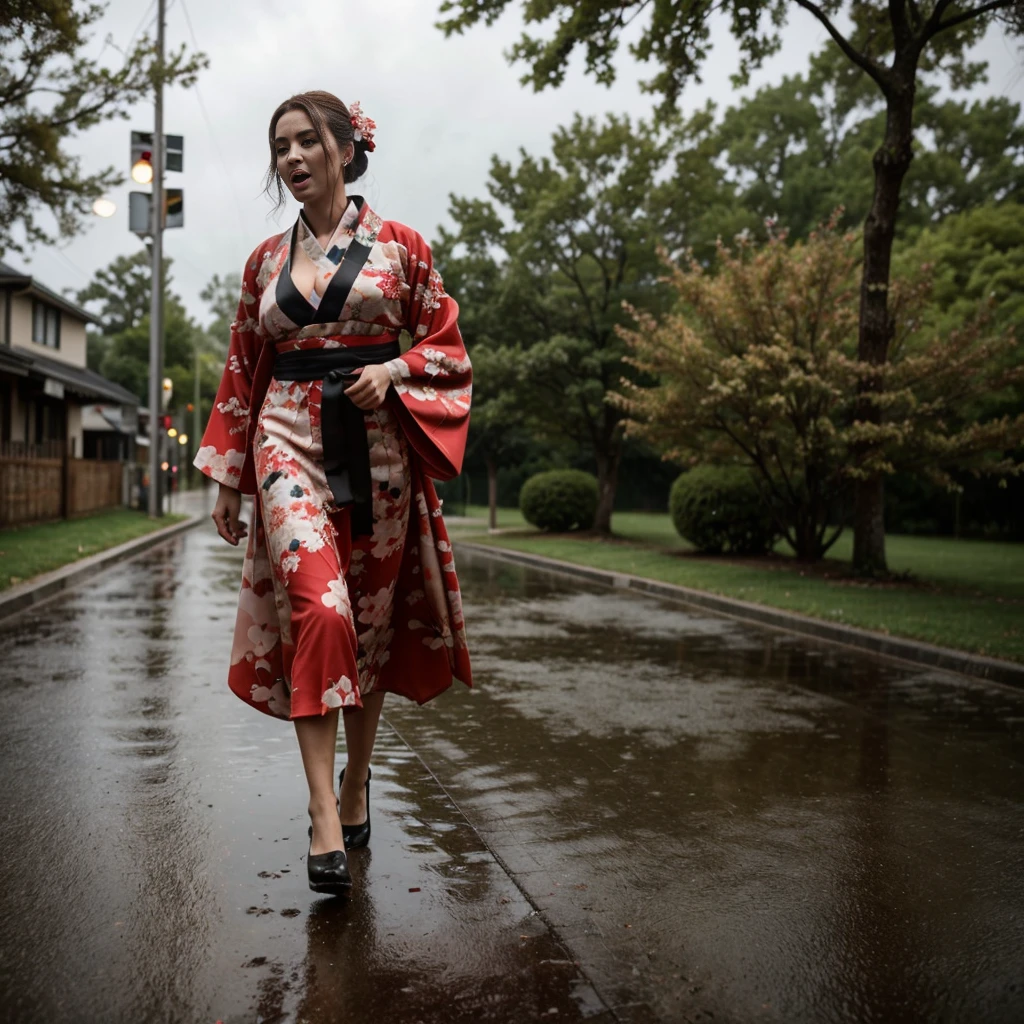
346	451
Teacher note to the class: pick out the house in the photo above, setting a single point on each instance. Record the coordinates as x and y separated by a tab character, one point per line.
55	412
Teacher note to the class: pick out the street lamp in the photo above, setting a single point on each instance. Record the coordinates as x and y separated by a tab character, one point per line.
172	432
104	207
183	439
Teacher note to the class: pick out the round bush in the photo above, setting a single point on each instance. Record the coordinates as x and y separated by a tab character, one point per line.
718	508
559	500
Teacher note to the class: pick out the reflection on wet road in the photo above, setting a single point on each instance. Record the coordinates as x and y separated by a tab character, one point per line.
736	824
715	822
154	841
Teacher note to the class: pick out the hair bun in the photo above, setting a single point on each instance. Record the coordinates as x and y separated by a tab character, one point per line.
357	165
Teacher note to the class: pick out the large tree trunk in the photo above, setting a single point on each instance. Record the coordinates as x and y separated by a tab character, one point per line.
607	483
492	494
876	327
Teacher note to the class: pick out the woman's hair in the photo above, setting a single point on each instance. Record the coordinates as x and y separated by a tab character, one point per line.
327	114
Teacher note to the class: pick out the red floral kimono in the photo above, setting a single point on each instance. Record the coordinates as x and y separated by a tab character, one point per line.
324	617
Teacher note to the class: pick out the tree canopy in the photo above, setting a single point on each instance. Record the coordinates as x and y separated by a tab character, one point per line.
542	270
676	37
49	92
888	46
758	365
120	296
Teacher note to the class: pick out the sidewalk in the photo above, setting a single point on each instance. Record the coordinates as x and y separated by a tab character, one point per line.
171	821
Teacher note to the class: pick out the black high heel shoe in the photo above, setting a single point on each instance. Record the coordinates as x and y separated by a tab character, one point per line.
356	835
328	872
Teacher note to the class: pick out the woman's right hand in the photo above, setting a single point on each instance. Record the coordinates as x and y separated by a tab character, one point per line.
225	515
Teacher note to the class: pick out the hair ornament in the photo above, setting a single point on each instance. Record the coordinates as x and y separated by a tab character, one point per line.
363	127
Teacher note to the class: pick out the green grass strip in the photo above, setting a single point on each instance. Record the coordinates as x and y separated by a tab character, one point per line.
28	551
964	594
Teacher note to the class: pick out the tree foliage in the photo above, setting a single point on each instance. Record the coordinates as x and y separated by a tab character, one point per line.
888	46
120	296
221	297
797	150
49	92
759	365
542	270
675	37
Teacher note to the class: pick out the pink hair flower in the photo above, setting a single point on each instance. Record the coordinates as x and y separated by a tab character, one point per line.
363	127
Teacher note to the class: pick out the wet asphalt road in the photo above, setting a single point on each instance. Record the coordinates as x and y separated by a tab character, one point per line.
640	814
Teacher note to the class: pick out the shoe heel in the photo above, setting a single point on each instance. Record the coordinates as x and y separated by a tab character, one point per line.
356	835
328	872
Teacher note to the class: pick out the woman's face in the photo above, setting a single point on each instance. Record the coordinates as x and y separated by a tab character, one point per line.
310	171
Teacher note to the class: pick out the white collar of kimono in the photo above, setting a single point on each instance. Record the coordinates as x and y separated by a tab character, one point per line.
339	240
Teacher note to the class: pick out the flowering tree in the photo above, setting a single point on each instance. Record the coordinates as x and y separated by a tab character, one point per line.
759	365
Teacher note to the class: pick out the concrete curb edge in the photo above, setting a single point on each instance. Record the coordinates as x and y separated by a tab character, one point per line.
916	651
42	588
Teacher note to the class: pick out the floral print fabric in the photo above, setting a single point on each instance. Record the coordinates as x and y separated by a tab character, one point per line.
323	619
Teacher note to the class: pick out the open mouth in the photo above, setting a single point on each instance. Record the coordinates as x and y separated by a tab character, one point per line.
299	177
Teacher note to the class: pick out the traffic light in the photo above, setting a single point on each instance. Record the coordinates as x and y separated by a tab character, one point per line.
166	421
142	157
174	208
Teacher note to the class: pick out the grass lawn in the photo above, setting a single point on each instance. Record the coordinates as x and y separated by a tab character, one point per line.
28	551
966	594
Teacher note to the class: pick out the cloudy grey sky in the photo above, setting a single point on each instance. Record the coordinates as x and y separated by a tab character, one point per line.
442	106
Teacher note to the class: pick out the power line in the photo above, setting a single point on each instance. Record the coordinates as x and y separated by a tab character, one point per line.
142	21
209	125
74	266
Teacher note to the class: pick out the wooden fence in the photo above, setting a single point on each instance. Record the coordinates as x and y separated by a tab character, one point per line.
39	486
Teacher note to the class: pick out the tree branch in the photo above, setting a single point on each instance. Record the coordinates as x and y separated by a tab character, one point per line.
861	60
959	19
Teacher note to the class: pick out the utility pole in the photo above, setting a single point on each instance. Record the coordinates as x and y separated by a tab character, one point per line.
156	308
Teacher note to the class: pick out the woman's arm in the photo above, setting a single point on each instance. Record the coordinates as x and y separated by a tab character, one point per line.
222	453
433	379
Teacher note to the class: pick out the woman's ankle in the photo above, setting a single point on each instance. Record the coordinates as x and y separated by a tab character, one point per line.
322	807
356	776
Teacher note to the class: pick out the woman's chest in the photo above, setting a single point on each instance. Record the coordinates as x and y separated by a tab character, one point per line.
377	298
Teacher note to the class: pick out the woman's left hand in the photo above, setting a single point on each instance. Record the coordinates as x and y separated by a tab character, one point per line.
368	392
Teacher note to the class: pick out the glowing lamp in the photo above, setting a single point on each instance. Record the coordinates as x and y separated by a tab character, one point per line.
142	169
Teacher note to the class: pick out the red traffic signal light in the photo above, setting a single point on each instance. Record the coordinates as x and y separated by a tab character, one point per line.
166	421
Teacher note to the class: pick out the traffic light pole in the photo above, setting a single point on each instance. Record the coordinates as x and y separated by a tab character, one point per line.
156	308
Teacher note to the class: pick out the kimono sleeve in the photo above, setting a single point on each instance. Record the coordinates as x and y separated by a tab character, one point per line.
433	379
221	454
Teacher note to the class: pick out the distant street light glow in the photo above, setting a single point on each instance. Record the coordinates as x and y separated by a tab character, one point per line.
172	432
183	439
104	207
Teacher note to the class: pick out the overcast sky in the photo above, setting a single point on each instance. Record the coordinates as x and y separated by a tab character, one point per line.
442	106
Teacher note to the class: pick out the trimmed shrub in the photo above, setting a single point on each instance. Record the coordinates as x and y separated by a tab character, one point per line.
718	508
559	500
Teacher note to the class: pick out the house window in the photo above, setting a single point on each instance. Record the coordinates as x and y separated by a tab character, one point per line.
45	324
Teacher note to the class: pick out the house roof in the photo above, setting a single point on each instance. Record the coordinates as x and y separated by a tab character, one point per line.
13	362
11	278
76	379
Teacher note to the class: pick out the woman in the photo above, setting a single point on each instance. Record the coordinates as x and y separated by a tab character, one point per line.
348	585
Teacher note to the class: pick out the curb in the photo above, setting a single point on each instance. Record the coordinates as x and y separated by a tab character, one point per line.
916	651
42	588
